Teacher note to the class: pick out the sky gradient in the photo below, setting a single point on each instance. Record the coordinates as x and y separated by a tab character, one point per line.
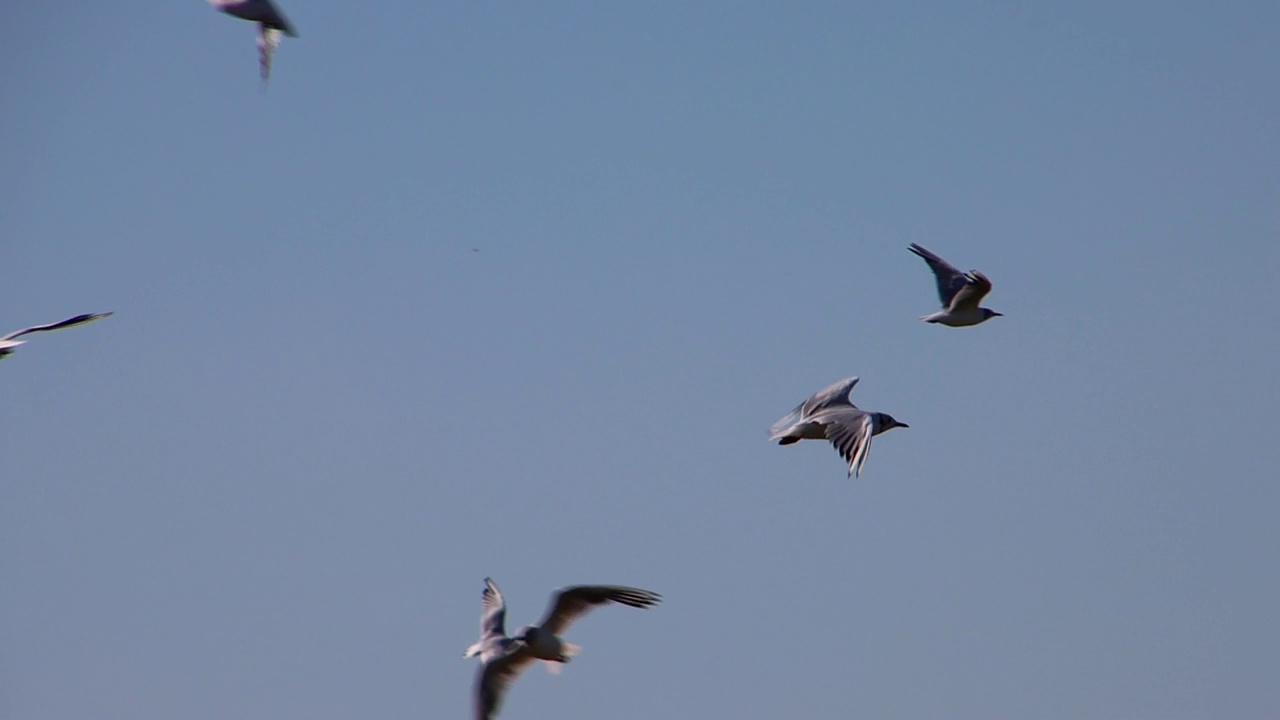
516	289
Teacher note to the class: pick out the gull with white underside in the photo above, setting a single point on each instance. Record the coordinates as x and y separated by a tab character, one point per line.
830	415
959	292
502	658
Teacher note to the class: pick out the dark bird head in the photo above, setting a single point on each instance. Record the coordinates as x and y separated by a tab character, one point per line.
885	421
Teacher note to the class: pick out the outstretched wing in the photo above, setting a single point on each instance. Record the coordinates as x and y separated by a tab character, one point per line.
950	280
850	432
571	603
69	322
276	19
834	395
972	293
494	615
259	11
494	678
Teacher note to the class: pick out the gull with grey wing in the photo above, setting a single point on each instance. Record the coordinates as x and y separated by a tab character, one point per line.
829	415
959	292
502	659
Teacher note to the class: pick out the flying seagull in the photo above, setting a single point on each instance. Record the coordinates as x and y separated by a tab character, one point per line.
10	341
502	659
960	292
829	415
271	23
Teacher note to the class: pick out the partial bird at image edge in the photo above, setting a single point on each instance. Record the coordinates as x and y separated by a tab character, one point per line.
10	342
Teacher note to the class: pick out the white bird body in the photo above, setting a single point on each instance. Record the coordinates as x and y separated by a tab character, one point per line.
802	430
962	317
543	645
548	647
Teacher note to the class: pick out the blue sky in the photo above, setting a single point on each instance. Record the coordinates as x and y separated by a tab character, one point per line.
271	485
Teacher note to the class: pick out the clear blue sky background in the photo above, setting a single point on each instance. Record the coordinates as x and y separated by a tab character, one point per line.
271	485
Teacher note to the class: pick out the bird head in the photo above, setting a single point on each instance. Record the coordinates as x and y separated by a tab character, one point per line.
887	422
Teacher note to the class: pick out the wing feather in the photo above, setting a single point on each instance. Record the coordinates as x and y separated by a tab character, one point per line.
968	297
494	614
834	395
950	280
571	603
850	432
494	678
69	322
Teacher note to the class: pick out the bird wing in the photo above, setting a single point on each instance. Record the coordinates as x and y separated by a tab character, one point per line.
276	19
493	678
950	280
571	603
77	320
968	297
834	395
850	430
268	41
494	616
259	11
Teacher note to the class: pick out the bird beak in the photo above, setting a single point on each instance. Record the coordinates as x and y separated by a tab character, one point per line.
902	424
996	314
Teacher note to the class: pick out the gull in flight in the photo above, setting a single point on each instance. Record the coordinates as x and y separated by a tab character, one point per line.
502	659
271	23
10	341
960	292
829	415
